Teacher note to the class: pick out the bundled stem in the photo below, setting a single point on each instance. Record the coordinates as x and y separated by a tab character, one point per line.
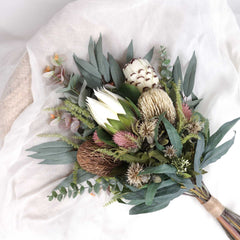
229	220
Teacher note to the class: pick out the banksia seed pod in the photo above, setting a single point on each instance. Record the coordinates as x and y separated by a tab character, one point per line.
154	102
95	162
140	73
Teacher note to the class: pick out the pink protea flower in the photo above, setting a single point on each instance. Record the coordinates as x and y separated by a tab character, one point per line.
186	111
125	139
97	140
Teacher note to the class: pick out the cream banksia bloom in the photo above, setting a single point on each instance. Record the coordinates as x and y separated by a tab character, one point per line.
132	175
105	108
154	102
140	73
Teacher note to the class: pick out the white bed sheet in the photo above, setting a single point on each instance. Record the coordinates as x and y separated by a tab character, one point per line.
209	28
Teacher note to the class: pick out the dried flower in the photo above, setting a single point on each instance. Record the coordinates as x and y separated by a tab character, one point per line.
140	73
95	162
194	127
146	129
125	139
186	111
132	175
170	152
97	140
154	102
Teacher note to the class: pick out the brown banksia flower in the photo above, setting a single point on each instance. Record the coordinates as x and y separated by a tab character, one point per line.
154	102
95	162
132	175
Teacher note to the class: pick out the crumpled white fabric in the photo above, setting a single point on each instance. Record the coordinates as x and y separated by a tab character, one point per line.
206	26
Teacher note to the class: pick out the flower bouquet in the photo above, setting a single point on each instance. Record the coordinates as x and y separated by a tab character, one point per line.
134	133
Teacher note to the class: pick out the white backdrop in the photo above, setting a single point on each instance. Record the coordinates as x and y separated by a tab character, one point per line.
23	205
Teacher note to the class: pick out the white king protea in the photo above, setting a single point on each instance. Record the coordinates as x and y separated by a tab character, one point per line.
140	73
107	109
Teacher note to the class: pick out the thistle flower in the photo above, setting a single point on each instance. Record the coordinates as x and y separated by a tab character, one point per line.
194	127
170	152
146	129
97	140
107	108
133	178
186	111
125	139
154	102
140	73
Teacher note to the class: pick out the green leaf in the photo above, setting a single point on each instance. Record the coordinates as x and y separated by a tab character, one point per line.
219	134
116	71
149	55
54	194
63	191
84	93
92	81
105	137
163	168
129	91
189	77
130	51
197	158
103	65
120	186
125	120
177	71
180	180
157	155
83	176
62	158
127	108
59	197
173	136
142	208
117	125
87	67
158	145
134	107
89	184
75	194
92	57
217	153
151	191
82	189
194	103
96	187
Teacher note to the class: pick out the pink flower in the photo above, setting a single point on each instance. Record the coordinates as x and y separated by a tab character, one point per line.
97	140
125	139
186	111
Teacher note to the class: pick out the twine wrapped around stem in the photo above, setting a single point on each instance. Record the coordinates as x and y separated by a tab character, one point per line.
229	220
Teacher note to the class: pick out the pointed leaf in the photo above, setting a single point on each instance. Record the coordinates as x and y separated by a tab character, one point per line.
173	136
219	134
163	168
84	93
177	71
105	137
116	71
91	53
217	153
151	191
189	77
130	51
129	91
149	55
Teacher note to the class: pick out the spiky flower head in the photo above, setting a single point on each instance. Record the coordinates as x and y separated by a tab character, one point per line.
146	129
133	178
154	102
125	139
195	126
170	152
186	111
140	73
97	140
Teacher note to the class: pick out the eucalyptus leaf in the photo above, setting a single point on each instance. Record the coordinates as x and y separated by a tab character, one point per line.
149	55
151	191
103	65
116	71
217	153
129	91
47	145
219	134
194	103
197	158
91	53
189	77
84	93
130	51
173	136
87	67
163	168
105	137
177	72
180	180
